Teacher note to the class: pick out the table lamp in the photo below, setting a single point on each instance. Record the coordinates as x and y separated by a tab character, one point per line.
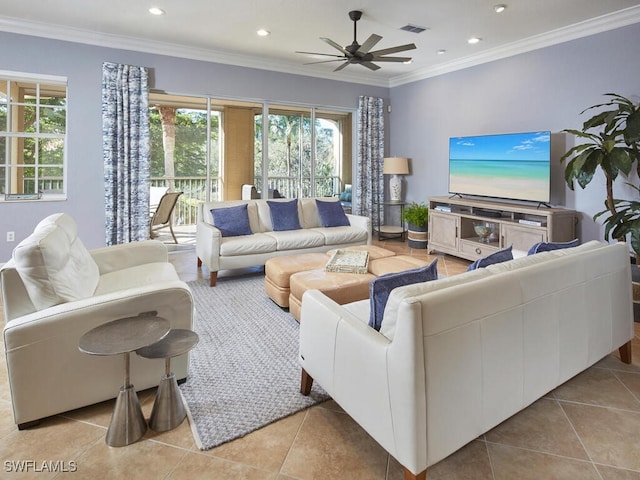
395	166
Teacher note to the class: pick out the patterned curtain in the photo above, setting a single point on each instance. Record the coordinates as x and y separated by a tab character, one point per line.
125	146
369	179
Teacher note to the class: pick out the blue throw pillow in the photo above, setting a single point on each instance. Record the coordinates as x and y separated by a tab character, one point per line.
232	221
496	257
548	246
284	215
380	288
332	214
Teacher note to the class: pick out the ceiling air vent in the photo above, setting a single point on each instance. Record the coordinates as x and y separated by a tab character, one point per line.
413	28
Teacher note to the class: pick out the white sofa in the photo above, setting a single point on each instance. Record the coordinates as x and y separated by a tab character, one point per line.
54	291
221	253
459	355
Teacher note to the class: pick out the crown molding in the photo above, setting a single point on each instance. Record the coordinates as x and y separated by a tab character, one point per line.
604	23
76	35
593	26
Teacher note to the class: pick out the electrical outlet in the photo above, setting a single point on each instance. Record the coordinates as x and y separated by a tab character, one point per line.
11	236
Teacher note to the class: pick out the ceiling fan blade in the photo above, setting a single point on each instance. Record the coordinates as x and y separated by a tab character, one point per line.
400	48
369	43
322	54
391	59
334	45
326	61
341	67
370	66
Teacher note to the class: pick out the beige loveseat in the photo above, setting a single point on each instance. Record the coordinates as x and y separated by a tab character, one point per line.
456	356
54	290
221	253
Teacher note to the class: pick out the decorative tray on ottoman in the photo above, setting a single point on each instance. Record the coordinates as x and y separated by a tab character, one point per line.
348	261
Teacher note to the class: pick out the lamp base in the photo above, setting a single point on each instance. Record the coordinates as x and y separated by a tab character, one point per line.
395	188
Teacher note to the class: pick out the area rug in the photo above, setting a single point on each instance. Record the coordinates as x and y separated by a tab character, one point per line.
244	372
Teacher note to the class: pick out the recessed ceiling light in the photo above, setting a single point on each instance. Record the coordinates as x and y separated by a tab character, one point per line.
156	11
474	40
263	33
499	8
408	61
442	51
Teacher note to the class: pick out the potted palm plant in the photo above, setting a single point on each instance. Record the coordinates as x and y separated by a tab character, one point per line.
612	144
416	215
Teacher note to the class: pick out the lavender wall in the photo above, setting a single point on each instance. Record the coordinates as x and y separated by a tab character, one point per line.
541	90
82	65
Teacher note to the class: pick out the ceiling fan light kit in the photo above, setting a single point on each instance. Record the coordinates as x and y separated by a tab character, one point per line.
361	54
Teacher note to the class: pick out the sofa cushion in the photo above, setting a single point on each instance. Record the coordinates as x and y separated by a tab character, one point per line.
54	264
296	239
284	215
232	221
332	214
548	246
496	257
381	287
136	277
247	245
342	235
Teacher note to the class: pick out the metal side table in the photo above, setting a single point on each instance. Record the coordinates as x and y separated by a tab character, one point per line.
124	336
168	408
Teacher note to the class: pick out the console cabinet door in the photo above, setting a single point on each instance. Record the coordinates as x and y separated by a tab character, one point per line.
443	230
522	238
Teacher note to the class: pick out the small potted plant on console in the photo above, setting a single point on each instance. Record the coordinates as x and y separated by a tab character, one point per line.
416	215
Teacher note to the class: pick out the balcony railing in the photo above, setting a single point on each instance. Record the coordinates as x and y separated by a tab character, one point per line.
194	189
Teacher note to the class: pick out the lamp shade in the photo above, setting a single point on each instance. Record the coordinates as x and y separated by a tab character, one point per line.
396	166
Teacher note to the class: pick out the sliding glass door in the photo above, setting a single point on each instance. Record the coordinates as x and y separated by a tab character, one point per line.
304	152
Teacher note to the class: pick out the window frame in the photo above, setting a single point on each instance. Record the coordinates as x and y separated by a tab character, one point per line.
41	83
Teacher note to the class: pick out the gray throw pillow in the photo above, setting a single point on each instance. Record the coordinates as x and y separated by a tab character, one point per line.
332	214
284	215
548	246
232	221
380	288
496	257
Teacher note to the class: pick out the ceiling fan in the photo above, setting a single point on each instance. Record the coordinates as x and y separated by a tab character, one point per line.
361	54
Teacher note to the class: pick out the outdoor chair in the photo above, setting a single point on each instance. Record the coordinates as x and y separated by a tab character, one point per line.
163	216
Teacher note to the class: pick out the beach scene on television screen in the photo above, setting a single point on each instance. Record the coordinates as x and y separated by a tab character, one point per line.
504	166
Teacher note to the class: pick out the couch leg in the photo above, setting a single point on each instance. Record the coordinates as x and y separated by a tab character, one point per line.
25	425
411	476
213	278
306	382
625	352
199	262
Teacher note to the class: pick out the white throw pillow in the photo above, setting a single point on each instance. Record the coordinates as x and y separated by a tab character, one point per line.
54	265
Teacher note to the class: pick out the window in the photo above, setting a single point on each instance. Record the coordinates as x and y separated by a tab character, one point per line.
304	161
33	118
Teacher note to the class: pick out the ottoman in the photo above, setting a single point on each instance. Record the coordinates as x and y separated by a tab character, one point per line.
398	263
277	271
340	287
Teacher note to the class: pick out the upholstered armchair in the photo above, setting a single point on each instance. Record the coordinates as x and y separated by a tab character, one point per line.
54	290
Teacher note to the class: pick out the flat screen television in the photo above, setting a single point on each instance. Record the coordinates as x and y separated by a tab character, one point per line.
512	166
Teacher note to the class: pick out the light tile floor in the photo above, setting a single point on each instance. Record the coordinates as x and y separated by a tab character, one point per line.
589	428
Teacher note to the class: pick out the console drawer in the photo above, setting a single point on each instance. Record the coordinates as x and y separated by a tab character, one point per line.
477	250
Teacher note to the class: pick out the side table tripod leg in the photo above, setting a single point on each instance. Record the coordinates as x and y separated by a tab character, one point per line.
127	422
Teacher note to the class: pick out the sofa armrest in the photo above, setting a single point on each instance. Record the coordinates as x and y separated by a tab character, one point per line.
208	240
172	300
362	222
119	257
378	382
338	350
